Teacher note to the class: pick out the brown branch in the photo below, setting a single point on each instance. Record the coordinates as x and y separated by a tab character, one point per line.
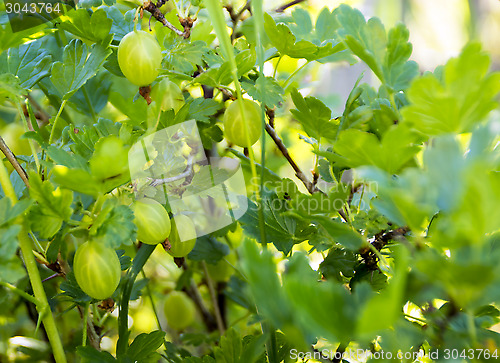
213	297
283	7
298	172
158	15
381	240
12	159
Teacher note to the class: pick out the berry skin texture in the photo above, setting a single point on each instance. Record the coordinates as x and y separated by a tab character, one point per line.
183	236
234	127
167	95
152	221
97	269
139	57
179	310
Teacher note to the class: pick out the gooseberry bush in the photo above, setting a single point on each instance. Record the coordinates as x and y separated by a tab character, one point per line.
372	229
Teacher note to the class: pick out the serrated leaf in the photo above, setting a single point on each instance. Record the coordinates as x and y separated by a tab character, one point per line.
78	66
94	26
265	90
143	348
314	116
122	23
341	232
387	56
208	249
114	225
201	109
339	263
91	98
184	57
457	101
71	290
283	39
356	148
281	229
28	62
52	208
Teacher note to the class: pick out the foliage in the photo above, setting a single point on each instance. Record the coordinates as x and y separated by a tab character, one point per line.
390	245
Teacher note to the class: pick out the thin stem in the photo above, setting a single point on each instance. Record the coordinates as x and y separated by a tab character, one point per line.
54	126
34	275
13	161
20	292
213	297
294	73
276	67
150	295
85	320
282	8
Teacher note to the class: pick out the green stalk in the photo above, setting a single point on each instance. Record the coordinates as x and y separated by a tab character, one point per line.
34	275
54	126
123	333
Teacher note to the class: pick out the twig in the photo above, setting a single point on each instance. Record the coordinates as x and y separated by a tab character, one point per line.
235	17
311	187
12	159
194	294
283	7
381	240
213	297
186	173
298	172
158	15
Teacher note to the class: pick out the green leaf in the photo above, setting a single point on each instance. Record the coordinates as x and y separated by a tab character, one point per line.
338	264
53	206
12	271
208	249
283	39
265	90
235	349
185	57
92	97
384	309
281	229
93	26
10	87
387	56
114	225
8	242
143	348
9	39
122	23
260	272
341	232
456	101
9	213
89	354
78	67
323	308
314	116
355	148
29	62
201	109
